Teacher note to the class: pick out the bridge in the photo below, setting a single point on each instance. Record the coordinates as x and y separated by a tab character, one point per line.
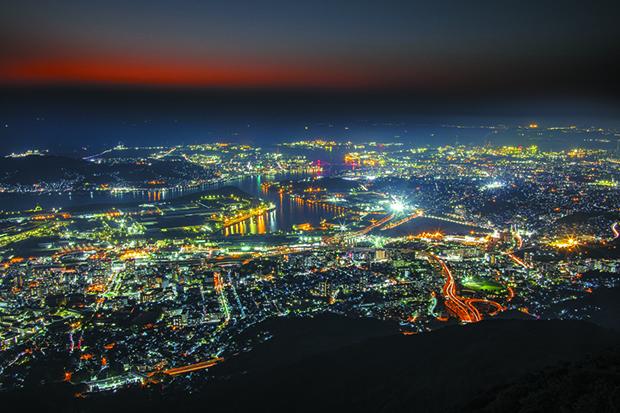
460	222
363	231
402	220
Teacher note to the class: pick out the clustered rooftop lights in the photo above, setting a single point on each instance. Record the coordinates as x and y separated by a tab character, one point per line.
493	185
566	243
397	206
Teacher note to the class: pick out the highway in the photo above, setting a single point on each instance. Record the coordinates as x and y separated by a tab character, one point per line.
498	306
194	367
463	309
519	239
90	158
517	260
164	154
519	245
219	289
511	293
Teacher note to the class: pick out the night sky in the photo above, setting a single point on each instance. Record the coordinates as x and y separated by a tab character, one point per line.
434	46
86	73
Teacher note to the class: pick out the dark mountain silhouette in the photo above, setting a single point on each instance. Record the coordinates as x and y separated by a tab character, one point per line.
51	168
30	169
495	365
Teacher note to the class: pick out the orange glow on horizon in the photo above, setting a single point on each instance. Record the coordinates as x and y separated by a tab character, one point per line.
159	72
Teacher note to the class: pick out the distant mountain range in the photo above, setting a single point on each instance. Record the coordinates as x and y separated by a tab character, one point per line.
35	169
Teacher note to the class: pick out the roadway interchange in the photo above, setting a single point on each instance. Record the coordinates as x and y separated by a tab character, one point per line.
464	309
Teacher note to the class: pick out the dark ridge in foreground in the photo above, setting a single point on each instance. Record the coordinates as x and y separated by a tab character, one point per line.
590	385
486	366
439	371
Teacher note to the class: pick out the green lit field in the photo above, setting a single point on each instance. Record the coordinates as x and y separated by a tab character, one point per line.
479	284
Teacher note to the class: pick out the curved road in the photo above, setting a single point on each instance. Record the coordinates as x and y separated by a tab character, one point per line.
464	310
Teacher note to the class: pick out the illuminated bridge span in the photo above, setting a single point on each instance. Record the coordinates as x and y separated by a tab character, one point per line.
402	220
370	227
362	231
194	367
454	221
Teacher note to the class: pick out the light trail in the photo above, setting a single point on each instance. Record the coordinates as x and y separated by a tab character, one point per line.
72	343
519	239
517	260
511	293
219	288
509	251
463	308
163	155
498	306
88	158
615	229
194	367
467	313
234	290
